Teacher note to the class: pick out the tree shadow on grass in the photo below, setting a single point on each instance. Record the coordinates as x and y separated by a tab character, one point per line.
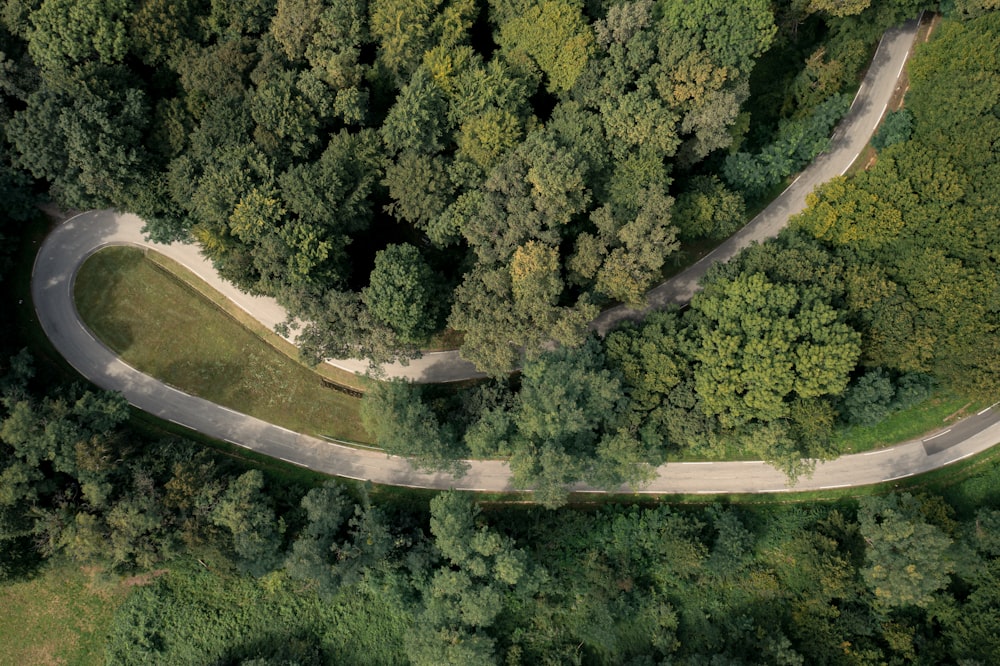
19	561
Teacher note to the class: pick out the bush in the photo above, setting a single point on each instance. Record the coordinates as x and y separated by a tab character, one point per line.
876	394
797	142
868	400
896	128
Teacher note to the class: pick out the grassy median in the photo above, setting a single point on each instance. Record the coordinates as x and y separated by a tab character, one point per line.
162	326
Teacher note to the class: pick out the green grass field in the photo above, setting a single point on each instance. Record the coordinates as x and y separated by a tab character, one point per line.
159	325
59	616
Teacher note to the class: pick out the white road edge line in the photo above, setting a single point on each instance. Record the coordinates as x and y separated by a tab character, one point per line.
880	116
983	411
696	463
842	485
291	461
878	452
961	457
944	432
857	94
896	478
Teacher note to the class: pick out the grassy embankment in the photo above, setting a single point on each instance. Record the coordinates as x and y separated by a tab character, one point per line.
159	324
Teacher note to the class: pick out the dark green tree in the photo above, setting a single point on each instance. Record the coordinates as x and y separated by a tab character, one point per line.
245	510
401	423
401	293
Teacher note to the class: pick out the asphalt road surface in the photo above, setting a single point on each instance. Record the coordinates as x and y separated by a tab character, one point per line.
847	142
71	243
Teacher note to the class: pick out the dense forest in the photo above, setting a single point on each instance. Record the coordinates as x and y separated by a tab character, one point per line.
506	169
262	569
286	138
886	286
389	168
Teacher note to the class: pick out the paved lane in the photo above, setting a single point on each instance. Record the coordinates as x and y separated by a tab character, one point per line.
65	249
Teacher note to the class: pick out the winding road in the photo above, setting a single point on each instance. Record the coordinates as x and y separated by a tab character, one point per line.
66	248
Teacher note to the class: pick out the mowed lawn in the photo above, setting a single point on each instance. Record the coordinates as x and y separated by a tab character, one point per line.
60	616
161	326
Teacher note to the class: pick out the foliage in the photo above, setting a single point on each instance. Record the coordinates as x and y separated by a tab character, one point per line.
896	128
913	227
404	425
67	32
554	34
907	557
707	209
400	292
797	142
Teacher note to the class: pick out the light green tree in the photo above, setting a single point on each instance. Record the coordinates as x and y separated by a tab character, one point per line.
759	345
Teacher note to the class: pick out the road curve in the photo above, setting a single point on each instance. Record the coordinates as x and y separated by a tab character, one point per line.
72	242
65	249
849	139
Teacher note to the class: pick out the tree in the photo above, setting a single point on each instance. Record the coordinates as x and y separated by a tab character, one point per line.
334	193
87	142
649	358
416	121
798	141
289	109
624	256
866	402
339	325
733	34
405	30
68	32
568	402
485	572
294	23
311	558
401	292
838	8
758	345
421	191
245	510
334	49
896	128
402	424
232	19
908	559
140	529
707	209
847	212
554	34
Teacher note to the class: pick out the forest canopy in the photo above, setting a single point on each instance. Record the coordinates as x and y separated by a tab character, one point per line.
390	168
883	289
884	286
